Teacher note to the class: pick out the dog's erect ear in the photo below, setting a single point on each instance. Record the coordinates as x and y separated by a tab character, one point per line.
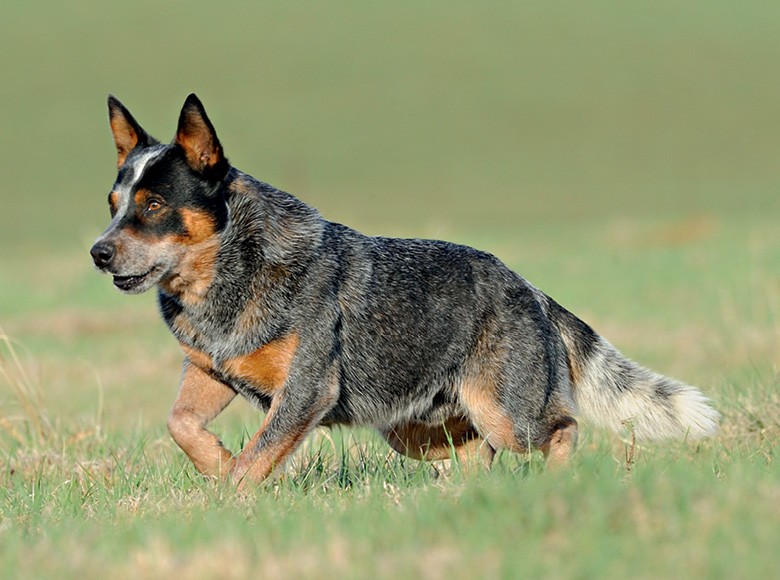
197	137
128	134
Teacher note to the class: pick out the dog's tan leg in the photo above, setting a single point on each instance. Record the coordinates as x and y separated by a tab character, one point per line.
475	453
200	399
488	416
424	442
561	444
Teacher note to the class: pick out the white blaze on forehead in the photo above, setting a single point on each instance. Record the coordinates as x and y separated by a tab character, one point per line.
135	170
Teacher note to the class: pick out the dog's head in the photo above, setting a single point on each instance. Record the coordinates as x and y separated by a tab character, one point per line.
167	204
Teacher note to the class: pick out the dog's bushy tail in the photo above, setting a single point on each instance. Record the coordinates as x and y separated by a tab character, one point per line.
616	392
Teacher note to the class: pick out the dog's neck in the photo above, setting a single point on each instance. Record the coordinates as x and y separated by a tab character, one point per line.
233	296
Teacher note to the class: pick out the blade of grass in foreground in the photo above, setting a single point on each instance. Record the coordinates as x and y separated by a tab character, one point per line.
34	418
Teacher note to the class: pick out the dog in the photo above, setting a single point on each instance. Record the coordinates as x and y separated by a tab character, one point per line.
438	346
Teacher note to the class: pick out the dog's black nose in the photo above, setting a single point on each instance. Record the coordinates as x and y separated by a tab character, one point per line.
102	254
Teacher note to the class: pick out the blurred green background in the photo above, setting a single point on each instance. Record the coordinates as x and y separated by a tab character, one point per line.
397	114
623	157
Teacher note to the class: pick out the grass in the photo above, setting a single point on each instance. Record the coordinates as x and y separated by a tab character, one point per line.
137	507
624	159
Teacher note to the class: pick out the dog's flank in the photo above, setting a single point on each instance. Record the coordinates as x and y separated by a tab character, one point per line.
438	346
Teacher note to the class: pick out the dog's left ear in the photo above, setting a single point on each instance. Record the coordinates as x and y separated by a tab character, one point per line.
128	134
197	137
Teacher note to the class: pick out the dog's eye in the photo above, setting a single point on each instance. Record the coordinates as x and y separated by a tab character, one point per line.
153	205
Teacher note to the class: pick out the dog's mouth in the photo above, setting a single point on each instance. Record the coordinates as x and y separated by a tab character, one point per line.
129	283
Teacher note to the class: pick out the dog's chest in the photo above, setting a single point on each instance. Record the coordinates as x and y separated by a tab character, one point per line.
237	358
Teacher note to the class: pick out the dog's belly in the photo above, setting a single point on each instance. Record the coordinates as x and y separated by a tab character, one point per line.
380	407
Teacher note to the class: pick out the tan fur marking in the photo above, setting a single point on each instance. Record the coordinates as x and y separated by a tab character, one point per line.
575	371
197	357
494	424
434	443
575	364
421	441
113	201
255	463
197	265
475	453
200	399
182	327
255	311
268	366
479	393
562	443
200	226
141	196
194	275
250	317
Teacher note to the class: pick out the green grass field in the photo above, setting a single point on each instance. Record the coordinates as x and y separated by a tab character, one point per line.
624	158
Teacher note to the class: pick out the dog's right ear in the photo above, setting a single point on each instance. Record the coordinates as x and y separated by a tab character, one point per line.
128	134
198	139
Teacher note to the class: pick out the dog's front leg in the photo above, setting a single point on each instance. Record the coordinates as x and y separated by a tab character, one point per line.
294	412
200	399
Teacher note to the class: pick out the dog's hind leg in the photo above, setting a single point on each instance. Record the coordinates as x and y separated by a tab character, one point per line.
561	444
425	442
493	422
505	428
200	399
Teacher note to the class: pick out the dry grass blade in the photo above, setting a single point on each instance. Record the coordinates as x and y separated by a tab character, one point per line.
27	393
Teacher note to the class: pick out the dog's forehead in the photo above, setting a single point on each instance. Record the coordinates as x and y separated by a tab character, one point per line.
136	165
132	172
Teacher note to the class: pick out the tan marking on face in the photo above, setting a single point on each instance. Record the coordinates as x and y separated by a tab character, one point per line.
193	275
197	357
200	226
267	367
141	196
113	201
196	268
